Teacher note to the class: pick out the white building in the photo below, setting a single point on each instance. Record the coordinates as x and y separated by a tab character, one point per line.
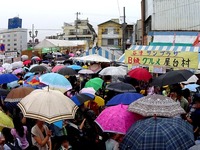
15	40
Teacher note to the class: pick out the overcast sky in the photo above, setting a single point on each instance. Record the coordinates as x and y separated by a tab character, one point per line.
48	16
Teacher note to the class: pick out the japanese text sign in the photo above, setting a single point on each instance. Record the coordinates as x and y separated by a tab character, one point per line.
172	59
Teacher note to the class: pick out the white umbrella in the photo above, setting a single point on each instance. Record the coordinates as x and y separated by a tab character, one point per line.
17	64
47	105
192	79
86	71
94	57
7	67
113	71
24	57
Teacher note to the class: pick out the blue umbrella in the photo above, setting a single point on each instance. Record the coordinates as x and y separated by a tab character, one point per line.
124	98
55	80
7	78
191	87
159	134
29	74
79	99
75	67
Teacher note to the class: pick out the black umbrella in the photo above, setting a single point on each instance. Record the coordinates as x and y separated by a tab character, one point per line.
79	99
121	87
4	92
49	56
172	77
39	68
67	71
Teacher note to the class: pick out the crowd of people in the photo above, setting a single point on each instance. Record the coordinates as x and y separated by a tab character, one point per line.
82	132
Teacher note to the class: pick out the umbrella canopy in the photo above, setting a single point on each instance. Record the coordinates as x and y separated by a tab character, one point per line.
158	105
15	95
5	120
99	100
159	134
7	78
192	79
191	87
36	58
124	98
4	92
17	64
67	71
116	119
113	71
33	80
39	68
95	68
2	70
79	99
24	57
121	87
94	57
28	74
27	62
86	71
19	70
55	80
47	105
172	77
96	83
75	67
57	67
89	90
140	74
7	67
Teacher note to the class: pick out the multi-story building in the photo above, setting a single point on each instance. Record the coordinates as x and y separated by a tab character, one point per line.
15	40
110	34
80	30
138	32
169	15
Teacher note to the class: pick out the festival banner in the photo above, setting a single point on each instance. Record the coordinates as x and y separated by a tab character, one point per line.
171	59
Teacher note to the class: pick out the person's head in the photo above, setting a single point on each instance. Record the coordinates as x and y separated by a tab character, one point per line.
7	135
173	94
65	142
179	94
40	123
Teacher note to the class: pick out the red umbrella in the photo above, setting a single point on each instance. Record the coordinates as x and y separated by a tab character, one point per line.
27	62
140	74
57	67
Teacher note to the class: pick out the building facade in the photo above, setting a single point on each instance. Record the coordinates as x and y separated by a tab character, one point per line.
170	15
15	40
110	33
138	32
80	30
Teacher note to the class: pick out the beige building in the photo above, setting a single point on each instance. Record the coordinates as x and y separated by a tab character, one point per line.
80	30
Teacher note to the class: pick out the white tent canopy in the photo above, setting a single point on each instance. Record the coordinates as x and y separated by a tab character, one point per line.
50	43
93	57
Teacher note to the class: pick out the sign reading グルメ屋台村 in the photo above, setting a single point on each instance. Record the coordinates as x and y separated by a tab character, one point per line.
171	59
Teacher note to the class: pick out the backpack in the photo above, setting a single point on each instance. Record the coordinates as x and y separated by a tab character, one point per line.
14	147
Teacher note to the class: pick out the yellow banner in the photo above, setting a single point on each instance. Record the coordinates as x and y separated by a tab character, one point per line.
171	59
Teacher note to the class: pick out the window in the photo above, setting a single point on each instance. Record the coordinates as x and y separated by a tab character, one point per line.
8	40
8	44
8	35
15	35
8	49
110	41
15	44
15	39
104	31
15	49
4	36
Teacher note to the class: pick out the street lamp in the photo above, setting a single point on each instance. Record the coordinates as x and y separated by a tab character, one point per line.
33	34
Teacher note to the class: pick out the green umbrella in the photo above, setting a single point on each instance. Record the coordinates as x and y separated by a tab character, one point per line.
96	83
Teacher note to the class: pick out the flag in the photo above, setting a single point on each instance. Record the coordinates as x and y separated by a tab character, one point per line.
197	41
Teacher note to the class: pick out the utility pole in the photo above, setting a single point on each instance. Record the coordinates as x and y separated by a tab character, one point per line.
33	34
76	26
124	31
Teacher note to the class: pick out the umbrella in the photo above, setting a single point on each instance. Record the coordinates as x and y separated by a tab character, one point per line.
7	67
191	87
96	83
28	74
158	105
49	56
67	71
36	58
89	90
15	95
5	120
39	68
140	74
27	62
159	134
47	105
55	80
99	100
7	78
94	57
3	92
192	79
120	87
95	68
172	77
1	70
57	67
113	71
86	71
19	70
17	64
24	57
13	84
116	119
124	98
79	99
33	80
75	67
